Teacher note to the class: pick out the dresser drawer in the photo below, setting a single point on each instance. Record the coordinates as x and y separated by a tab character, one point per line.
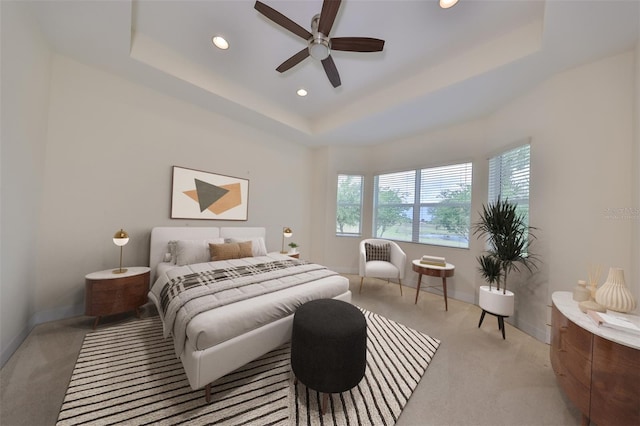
615	387
570	355
578	340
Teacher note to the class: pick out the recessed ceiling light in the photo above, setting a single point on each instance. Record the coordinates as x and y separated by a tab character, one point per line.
302	92
446	4
220	42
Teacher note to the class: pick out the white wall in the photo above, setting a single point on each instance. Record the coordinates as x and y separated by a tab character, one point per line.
110	150
581	125
25	98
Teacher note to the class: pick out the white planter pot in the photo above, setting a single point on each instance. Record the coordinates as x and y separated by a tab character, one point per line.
496	302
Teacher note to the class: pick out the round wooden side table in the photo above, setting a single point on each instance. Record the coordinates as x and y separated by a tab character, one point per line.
433	271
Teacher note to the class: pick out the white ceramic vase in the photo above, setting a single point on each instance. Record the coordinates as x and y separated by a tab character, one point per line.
614	294
496	302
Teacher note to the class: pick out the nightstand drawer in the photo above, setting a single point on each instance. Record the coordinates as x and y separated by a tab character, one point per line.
108	297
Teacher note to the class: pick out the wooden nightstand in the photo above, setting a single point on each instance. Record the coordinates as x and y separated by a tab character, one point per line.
107	293
294	255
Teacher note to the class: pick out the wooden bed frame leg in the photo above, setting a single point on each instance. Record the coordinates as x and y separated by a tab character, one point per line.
207	393
325	400
361	279
400	282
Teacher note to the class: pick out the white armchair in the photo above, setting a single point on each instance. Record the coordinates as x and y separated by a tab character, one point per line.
386	260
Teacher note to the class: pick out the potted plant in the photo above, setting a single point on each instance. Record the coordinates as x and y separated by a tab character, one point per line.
508	238
294	248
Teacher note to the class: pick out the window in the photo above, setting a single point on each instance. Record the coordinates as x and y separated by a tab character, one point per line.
428	206
509	178
349	206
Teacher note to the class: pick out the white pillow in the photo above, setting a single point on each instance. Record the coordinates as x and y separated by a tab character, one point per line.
194	251
258	246
172	251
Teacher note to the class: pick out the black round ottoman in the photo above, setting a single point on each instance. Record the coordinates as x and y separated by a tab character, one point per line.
329	346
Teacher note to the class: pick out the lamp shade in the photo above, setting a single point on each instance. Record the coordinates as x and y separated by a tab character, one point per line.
446	4
120	238
286	233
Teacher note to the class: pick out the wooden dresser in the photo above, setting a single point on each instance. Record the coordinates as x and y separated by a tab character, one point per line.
598	368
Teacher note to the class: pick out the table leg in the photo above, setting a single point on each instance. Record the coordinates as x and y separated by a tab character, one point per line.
95	323
444	288
418	288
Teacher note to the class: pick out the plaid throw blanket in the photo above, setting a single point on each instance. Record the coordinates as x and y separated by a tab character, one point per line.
184	297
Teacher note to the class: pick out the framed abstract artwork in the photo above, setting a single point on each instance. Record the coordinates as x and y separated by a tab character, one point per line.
202	195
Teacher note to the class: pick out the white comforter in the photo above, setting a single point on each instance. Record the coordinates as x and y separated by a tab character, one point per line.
225	322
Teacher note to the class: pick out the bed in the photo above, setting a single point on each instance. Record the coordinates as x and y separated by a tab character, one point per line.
252	314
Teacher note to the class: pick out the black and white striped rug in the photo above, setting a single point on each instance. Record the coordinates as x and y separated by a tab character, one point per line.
127	374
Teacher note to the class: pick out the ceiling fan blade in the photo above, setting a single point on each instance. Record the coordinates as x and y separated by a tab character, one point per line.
282	20
357	44
328	15
332	71
294	60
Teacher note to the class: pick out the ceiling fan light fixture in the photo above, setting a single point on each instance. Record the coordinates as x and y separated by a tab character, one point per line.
302	93
319	48
220	42
446	4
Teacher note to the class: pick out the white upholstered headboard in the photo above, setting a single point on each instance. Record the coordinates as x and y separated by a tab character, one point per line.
160	237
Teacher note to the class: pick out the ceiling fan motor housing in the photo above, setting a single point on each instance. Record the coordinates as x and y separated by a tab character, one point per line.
319	48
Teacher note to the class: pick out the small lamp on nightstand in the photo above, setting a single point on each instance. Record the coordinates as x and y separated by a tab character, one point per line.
120	239
286	233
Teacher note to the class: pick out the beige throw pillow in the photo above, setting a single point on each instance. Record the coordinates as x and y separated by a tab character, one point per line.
230	250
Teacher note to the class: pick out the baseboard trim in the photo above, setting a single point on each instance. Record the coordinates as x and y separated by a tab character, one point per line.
36	319
15	343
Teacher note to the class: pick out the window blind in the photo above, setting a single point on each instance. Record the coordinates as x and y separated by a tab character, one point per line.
429	206
509	175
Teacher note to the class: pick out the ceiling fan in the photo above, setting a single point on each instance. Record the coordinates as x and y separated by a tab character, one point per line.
319	44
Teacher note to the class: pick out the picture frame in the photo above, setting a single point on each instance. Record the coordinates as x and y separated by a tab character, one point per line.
196	194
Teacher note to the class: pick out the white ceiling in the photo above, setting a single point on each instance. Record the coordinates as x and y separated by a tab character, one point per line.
439	67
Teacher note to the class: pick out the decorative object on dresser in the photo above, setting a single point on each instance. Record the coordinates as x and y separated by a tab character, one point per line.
614	294
108	294
597	367
581	293
590	304
121	238
286	233
509	238
202	195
